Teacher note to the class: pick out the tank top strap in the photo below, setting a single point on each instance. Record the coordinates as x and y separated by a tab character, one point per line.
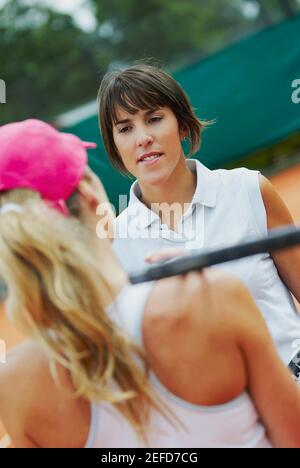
128	308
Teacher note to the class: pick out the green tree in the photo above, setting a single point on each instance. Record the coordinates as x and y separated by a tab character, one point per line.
46	62
275	10
289	7
173	31
50	65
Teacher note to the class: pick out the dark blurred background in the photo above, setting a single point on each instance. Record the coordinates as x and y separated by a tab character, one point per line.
53	54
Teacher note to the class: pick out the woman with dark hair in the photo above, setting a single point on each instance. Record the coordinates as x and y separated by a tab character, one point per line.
179	204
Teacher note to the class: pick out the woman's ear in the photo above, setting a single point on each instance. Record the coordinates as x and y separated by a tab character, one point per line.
183	134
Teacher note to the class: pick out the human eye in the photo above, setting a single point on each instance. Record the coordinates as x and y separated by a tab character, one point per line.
124	129
155	118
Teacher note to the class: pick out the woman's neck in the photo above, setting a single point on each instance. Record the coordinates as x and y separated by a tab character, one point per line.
180	187
177	193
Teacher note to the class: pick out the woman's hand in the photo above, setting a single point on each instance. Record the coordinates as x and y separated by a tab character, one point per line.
162	255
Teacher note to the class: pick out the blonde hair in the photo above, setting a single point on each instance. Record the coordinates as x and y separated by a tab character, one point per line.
55	290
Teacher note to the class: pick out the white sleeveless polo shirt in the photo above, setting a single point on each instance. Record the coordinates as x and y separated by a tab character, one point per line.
227	208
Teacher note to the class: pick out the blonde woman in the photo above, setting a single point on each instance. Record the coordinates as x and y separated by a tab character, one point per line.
182	362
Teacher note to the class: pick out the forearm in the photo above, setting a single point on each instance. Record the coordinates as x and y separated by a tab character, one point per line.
270	384
288	266
287	261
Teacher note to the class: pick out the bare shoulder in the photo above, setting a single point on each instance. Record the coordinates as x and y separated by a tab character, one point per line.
18	379
174	296
190	329
35	410
24	363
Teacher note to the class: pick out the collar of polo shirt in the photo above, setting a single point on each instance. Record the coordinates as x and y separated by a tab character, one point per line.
205	193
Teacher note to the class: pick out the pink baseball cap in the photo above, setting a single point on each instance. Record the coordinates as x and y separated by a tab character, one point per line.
36	156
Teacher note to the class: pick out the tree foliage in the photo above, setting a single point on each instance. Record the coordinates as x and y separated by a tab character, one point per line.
46	62
51	65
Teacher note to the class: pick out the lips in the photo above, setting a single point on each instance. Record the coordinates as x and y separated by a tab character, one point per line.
148	157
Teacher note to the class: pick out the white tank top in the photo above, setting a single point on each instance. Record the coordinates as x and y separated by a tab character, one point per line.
235	424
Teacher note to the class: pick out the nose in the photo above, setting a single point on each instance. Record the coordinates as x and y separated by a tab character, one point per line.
144	139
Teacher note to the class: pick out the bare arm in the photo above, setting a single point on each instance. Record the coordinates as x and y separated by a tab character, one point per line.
286	261
34	410
273	389
213	322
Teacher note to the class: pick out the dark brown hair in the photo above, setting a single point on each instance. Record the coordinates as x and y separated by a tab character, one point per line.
143	87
